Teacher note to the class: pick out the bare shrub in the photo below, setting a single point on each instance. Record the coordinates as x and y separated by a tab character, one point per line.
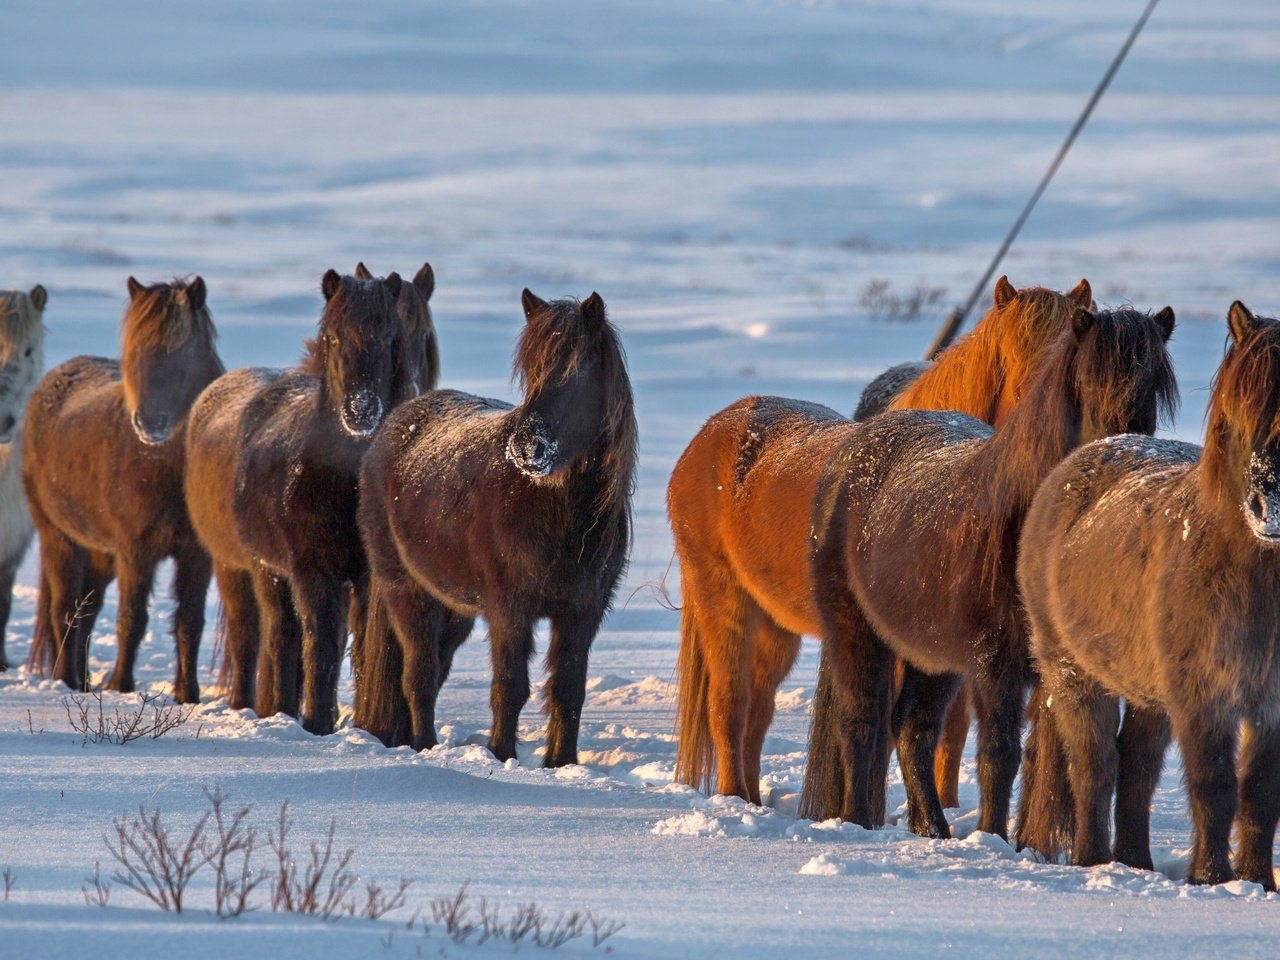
98	891
379	902
883	303
454	912
230	851
150	863
152	715
325	881
462	918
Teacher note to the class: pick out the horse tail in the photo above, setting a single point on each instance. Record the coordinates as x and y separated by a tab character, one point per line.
380	706
219	662
824	779
40	656
1046	810
694	753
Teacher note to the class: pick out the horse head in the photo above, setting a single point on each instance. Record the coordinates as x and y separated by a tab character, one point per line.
21	354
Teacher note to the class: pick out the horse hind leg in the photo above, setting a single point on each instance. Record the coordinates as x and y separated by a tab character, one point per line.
1259	805
1144	736
919	715
8	572
774	654
62	572
1000	708
946	765
1085	719
134	578
240	616
416	620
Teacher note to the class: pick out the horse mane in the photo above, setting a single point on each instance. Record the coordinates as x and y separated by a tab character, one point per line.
346	316
160	317
415	316
971	374
1244	410
18	318
552	347
1117	366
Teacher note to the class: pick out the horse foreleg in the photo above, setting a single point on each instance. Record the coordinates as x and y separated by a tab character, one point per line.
1259	804
1207	741
320	603
134	578
240	612
571	637
510	647
774	655
946	763
1144	735
919	715
280	645
191	577
1085	718
1000	706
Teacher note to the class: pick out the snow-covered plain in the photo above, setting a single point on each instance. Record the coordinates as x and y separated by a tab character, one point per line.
732	177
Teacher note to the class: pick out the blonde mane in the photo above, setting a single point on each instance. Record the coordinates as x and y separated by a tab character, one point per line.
19	319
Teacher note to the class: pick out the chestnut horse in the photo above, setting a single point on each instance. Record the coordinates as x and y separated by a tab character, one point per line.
898	388
102	464
1151	571
21	361
274	457
740	500
915	525
470	507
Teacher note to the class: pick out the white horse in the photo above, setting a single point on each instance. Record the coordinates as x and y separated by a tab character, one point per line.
21	364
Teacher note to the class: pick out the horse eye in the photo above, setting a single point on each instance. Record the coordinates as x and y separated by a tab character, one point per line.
28	353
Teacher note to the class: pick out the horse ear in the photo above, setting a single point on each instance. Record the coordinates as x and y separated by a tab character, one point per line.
1005	291
1082	295
196	294
362	272
1165	319
532	303
135	288
393	282
39	296
593	312
1241	322
1081	322
424	281
330	283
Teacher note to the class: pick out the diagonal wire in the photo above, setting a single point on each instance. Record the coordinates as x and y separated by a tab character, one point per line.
951	326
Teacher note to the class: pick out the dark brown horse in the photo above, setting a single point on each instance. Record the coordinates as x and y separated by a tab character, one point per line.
915	526
103	461
274	460
418	366
1151	571
740	502
904	387
470	507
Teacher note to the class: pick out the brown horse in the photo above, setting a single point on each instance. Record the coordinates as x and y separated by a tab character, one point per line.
418	366
903	387
92	424
470	507
915	525
740	500
1151	571
274	456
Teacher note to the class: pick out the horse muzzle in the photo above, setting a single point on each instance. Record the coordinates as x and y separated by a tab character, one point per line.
1262	514
152	431
361	413
8	427
531	450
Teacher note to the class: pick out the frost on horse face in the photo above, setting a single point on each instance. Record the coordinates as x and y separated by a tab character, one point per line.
1262	502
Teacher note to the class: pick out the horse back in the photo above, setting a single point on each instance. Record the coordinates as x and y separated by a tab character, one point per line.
80	453
740	499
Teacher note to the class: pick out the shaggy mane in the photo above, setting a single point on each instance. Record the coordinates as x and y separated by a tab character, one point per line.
160	318
1244	409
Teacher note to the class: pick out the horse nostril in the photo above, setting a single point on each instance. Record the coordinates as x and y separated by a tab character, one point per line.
1258	504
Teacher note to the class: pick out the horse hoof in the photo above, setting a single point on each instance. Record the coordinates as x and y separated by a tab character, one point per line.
119	686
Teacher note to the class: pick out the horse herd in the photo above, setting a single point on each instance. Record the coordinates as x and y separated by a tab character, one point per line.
996	524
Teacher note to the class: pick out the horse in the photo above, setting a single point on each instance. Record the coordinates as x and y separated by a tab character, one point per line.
420	352
739	502
272	488
471	507
901	388
91	422
1150	571
21	361
915	523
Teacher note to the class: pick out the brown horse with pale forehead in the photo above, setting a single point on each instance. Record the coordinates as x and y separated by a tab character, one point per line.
90	423
1150	571
740	500
915	525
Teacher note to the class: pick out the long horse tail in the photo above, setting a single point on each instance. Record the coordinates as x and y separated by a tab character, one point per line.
40	655
824	779
1046	810
380	706
695	756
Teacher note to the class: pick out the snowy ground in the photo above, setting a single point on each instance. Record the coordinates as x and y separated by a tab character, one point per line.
732	177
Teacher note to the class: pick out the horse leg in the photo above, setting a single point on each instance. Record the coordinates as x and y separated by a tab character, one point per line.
415	620
510	647
1000	708
321	609
279	647
453	634
920	713
1144	736
191	577
133	578
1259	804
240	609
1207	741
726	621
7	574
946	764
1086	718
774	655
63	572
